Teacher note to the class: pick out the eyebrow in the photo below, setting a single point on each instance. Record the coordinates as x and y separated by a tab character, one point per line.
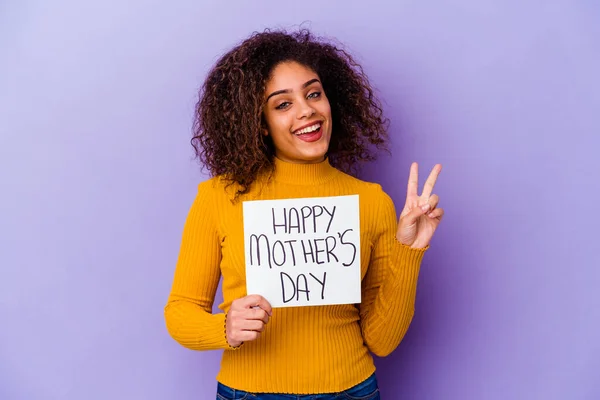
289	90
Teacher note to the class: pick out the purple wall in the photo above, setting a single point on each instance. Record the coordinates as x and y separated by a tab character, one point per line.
96	106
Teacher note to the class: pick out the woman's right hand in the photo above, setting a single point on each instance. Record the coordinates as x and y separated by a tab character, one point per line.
246	319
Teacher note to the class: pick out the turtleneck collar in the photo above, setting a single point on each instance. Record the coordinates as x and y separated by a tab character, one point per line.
303	174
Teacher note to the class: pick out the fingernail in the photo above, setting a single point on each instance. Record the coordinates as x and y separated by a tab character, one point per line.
425	207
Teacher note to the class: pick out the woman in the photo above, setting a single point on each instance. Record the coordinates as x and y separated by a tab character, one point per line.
286	115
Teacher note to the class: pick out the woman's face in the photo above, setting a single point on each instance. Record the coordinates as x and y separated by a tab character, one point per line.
297	113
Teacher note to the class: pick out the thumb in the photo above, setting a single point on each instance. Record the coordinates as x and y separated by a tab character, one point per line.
256	300
416	212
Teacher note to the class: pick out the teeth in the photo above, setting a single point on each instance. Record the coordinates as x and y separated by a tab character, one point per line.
309	129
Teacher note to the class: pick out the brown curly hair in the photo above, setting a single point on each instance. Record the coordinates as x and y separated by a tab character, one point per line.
229	114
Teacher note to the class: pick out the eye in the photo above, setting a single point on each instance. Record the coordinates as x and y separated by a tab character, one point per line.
314	95
283	105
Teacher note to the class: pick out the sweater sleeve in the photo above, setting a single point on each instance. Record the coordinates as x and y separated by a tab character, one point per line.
389	287
188	312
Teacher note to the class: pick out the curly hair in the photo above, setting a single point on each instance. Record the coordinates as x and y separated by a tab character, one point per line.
229	114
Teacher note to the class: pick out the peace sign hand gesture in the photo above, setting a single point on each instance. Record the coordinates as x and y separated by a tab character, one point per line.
420	217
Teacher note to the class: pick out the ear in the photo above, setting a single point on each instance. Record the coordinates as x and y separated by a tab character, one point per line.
265	132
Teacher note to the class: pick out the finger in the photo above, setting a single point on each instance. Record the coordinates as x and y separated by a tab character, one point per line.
247	336
437	213
252	325
259	314
256	300
265	305
433	202
413	181
251	300
430	182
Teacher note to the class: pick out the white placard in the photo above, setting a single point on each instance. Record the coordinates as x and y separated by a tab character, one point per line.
303	251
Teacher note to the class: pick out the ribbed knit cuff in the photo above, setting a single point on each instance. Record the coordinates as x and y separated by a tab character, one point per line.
404	267
406	257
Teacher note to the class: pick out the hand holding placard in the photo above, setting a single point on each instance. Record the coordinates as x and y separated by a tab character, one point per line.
246	319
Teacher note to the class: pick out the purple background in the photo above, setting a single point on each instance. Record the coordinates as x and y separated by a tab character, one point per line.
97	175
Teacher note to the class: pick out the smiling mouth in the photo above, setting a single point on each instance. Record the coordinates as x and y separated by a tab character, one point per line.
310	134
309	129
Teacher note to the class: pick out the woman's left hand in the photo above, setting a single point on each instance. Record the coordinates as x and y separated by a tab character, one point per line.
421	215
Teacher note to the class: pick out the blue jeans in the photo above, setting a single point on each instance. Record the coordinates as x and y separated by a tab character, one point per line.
366	390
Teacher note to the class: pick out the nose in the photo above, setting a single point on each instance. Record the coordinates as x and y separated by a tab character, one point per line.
305	110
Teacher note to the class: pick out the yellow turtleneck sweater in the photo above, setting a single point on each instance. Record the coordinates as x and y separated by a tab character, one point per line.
303	350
